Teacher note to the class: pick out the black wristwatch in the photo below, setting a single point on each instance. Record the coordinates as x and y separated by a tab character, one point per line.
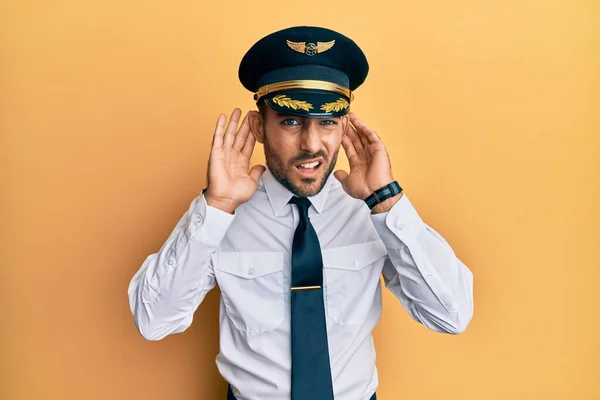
382	194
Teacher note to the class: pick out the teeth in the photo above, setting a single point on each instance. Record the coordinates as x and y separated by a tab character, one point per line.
311	165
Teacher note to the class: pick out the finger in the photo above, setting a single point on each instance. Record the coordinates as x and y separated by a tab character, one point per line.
249	145
240	136
341	176
257	171
353	156
348	147
219	129
358	143
232	127
364	130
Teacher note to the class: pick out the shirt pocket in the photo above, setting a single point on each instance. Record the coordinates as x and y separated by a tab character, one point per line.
352	281
251	286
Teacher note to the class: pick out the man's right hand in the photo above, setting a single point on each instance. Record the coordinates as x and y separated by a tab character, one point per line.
229	182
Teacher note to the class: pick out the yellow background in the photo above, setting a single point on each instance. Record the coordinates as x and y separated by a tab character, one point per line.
489	110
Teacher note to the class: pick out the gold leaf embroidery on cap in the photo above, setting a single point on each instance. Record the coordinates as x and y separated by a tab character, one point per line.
335	106
310	49
283	101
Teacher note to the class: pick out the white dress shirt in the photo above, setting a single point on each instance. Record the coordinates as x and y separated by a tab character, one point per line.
248	254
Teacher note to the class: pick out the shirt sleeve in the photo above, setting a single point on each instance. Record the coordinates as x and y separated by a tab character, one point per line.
423	272
171	284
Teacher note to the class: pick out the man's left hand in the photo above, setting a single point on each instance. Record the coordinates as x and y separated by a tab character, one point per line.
370	167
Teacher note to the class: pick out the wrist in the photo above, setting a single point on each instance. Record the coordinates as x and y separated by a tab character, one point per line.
383	193
374	186
227	206
387	204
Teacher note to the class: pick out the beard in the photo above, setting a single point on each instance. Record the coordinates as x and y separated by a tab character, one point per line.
281	172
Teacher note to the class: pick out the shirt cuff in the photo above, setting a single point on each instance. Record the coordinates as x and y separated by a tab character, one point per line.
208	224
401	221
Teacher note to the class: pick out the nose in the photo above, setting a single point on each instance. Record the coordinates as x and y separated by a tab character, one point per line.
311	142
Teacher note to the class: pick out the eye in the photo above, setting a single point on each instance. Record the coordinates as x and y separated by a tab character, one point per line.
290	122
328	122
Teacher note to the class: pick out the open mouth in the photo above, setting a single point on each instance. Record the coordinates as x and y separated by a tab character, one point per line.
309	168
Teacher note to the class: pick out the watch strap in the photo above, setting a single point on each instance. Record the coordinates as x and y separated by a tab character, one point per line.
383	194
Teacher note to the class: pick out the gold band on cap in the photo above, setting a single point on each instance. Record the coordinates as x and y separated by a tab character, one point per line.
304	84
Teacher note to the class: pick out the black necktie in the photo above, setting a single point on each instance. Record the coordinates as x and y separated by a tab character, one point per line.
311	371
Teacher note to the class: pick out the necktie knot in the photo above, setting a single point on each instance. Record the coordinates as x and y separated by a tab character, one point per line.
303	205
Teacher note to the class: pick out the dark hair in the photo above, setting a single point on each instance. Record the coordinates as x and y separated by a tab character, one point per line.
262	109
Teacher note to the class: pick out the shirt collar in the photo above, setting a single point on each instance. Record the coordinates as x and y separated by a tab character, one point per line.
279	195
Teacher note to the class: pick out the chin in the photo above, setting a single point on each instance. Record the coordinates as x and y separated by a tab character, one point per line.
301	184
306	187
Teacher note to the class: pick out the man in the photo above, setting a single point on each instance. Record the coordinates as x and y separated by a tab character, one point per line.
297	251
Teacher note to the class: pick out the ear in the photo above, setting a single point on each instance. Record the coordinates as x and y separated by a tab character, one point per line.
257	126
345	122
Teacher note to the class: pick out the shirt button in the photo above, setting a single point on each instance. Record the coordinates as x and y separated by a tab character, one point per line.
170	262
428	272
198	219
250	271
356	263
401	225
447	300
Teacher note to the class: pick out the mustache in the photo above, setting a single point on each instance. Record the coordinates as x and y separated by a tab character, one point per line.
306	157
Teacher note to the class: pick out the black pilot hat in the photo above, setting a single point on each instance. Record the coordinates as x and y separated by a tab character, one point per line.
304	71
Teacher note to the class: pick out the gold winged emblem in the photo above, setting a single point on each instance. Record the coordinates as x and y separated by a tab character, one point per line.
310	49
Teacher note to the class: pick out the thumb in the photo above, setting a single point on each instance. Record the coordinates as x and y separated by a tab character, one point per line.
257	171
341	176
